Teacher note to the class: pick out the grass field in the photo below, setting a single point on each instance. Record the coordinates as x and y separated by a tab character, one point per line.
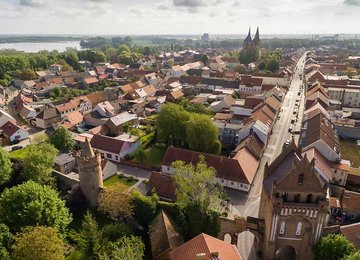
350	151
153	155
119	179
19	154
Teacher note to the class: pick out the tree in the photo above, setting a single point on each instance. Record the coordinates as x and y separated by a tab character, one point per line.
125	57
62	140
38	163
116	200
351	72
273	65
333	247
241	69
171	124
26	74
197	192
38	243
31	204
90	237
72	59
204	59
144	207
6	240
111	55
202	134
5	166
124	48
127	248
353	256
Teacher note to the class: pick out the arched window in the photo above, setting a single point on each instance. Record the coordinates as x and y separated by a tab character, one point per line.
298	229
282	228
297	197
309	198
301	178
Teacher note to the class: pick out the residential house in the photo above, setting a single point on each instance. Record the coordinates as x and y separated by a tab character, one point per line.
55	68
237	172
105	109
217	63
163	185
257	127
89	82
73	119
11	132
65	163
318	132
222	105
109	169
228	133
48	117
8	93
249	84
205	247
6	117
114	149
173	96
116	123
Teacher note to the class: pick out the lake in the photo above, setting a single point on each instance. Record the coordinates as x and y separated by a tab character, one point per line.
40	46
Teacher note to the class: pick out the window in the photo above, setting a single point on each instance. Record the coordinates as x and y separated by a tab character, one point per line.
108	155
301	178
282	228
297	197
309	198
232	183
116	157
222	180
298	229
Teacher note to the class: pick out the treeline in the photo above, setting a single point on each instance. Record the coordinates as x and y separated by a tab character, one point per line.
37	38
308	43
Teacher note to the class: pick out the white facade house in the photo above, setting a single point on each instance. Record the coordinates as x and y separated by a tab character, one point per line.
114	149
259	128
105	109
5	117
13	132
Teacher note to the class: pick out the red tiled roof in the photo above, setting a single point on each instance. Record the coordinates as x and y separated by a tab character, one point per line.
241	168
107	144
352	234
205	244
9	128
163	185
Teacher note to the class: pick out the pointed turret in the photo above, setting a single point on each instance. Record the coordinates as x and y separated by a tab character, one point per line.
248	41
256	40
87	150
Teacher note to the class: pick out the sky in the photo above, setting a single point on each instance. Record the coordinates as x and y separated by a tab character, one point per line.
131	17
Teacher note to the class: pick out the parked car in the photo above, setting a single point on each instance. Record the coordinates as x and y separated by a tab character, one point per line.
16	147
291	128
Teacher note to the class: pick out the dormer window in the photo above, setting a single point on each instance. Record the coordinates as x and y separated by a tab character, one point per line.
301	178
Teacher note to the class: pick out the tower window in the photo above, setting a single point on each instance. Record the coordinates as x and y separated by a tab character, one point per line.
301	178
282	228
298	229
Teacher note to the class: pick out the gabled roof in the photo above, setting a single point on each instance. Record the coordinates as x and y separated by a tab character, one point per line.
163	235
107	144
163	185
208	245
250	81
9	128
242	167
351	232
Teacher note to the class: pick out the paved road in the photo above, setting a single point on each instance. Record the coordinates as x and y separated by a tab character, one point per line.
248	204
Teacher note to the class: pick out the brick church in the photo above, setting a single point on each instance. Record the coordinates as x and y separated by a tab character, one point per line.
294	206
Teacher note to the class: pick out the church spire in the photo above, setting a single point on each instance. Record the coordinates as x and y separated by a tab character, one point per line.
248	41
257	38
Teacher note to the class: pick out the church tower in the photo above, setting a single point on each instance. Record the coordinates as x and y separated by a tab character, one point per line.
294	206
256	40
248	42
90	173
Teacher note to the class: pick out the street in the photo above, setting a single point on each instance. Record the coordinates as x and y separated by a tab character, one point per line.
248	204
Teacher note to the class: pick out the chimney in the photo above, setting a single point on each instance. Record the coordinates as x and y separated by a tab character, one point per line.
200	256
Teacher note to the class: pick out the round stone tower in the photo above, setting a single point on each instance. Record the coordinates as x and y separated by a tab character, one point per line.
90	173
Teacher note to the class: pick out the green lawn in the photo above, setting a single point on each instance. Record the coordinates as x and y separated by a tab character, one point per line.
118	178
19	154
153	155
350	151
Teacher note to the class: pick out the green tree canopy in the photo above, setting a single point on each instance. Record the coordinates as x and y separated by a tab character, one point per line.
127	248
125	48
5	166
6	240
273	65
197	193
116	200
202	134
72	58
62	140
26	74
353	256
39	162
38	243
333	247
171	124
90	238
31	204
